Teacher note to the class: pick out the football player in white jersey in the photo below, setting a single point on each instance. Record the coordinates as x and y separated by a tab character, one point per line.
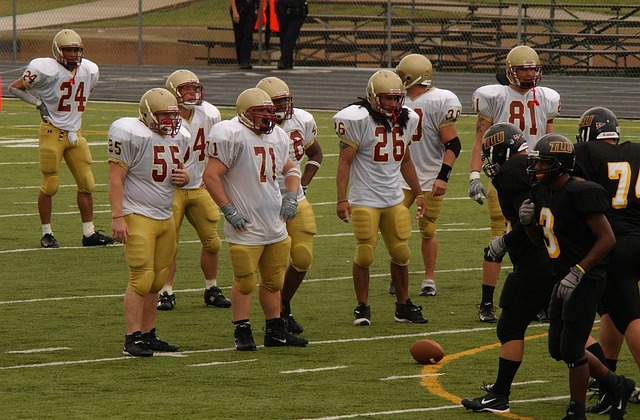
532	108
247	154
301	129
374	134
146	164
59	87
434	149
193	200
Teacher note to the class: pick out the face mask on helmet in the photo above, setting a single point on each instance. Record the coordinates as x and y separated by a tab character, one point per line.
256	111
524	68
280	94
158	110
415	69
67	48
499	143
385	93
186	87
598	124
552	157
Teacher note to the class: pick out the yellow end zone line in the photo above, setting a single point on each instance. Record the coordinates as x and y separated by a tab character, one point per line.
433	385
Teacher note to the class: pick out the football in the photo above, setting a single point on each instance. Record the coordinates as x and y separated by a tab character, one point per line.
427	352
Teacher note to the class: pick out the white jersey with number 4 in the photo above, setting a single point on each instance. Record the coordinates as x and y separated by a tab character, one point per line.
437	108
374	176
149	159
502	104
65	93
253	163
202	119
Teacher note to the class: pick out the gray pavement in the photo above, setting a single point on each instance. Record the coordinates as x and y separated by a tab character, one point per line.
93	11
332	88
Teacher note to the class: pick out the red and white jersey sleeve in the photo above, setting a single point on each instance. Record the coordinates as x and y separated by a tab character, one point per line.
253	165
302	131
374	176
503	104
202	119
64	93
436	108
149	159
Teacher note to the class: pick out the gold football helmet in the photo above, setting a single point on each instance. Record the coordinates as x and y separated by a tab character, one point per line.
280	94
186	87
256	110
523	57
415	69
160	101
385	82
67	38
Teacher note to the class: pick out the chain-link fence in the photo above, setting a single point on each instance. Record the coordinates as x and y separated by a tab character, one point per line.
579	38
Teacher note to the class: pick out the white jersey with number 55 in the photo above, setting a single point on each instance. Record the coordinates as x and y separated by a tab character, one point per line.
530	112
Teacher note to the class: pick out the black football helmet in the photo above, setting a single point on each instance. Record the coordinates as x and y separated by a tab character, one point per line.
598	124
499	143
552	157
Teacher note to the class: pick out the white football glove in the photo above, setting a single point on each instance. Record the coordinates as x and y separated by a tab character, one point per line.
569	283
476	189
526	212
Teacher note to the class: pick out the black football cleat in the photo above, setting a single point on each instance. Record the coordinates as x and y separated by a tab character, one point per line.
155	344
135	346
276	335
48	241
97	239
213	297
166	301
243	337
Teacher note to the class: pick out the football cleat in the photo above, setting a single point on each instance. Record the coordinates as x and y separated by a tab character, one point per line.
166	301
213	297
487	313
408	312
575	411
48	241
154	343
620	395
290	323
635	398
362	313
603	405
490	403
135	346
428	288
97	239
276	335
243	337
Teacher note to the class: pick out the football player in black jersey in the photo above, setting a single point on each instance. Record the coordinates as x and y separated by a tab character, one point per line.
567	215
527	289
599	158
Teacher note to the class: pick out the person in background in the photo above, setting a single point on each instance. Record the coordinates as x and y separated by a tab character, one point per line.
244	14
434	149
375	133
532	108
301	130
291	17
247	154
193	200
59	88
601	158
146	163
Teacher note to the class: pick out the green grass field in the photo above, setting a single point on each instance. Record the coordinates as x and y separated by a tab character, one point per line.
62	323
